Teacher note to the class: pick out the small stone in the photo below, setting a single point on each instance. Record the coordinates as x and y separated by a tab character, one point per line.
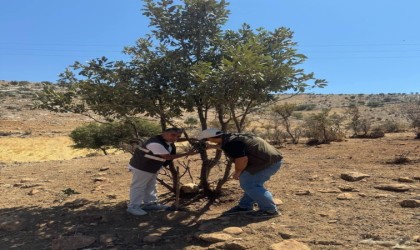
215	237
235	245
107	240
189	188
405	179
345	196
34	191
97	179
353	176
289	245
329	191
72	242
233	230
76	203
278	202
303	192
411	203
393	187
153	238
346	188
12	224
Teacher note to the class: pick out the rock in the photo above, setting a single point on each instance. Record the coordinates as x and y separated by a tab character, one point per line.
411	203
303	192
103	168
353	176
98	179
189	188
153	238
76	203
215	237
235	245
329	191
379	196
416	238
405	179
34	191
107	240
278	202
25	180
345	196
289	245
233	230
346	188
217	246
378	243
394	187
286	234
111	196
12	224
72	242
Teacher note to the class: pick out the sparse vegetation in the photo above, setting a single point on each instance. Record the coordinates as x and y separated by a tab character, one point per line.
285	112
323	128
112	135
412	112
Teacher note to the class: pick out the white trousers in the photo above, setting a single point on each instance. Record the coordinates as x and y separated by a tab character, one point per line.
142	188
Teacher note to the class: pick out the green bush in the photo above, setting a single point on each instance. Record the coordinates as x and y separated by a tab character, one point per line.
191	121
374	104
305	107
113	135
323	128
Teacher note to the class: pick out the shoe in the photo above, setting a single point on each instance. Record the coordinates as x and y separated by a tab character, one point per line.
262	214
154	206
236	210
136	210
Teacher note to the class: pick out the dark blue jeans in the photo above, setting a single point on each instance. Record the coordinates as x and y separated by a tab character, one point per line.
254	190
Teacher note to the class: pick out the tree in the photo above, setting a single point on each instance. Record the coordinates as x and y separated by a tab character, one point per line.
412	112
187	63
323	128
285	111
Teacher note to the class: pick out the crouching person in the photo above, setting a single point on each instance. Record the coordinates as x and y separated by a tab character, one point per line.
256	161
147	160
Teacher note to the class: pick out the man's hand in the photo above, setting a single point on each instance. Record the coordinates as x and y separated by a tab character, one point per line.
213	146
236	175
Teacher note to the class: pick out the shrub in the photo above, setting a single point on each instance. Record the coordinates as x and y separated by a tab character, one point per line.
191	121
323	128
113	135
374	104
391	126
305	107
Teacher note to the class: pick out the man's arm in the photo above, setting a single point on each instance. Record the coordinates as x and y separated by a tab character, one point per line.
173	157
240	165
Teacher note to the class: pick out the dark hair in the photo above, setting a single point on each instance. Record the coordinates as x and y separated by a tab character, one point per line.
174	129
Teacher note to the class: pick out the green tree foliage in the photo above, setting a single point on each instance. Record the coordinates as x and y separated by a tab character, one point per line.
111	135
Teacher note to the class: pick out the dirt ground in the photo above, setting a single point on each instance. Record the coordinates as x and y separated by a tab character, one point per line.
51	193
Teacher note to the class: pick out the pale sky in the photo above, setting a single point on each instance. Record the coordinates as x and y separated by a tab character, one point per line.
358	46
